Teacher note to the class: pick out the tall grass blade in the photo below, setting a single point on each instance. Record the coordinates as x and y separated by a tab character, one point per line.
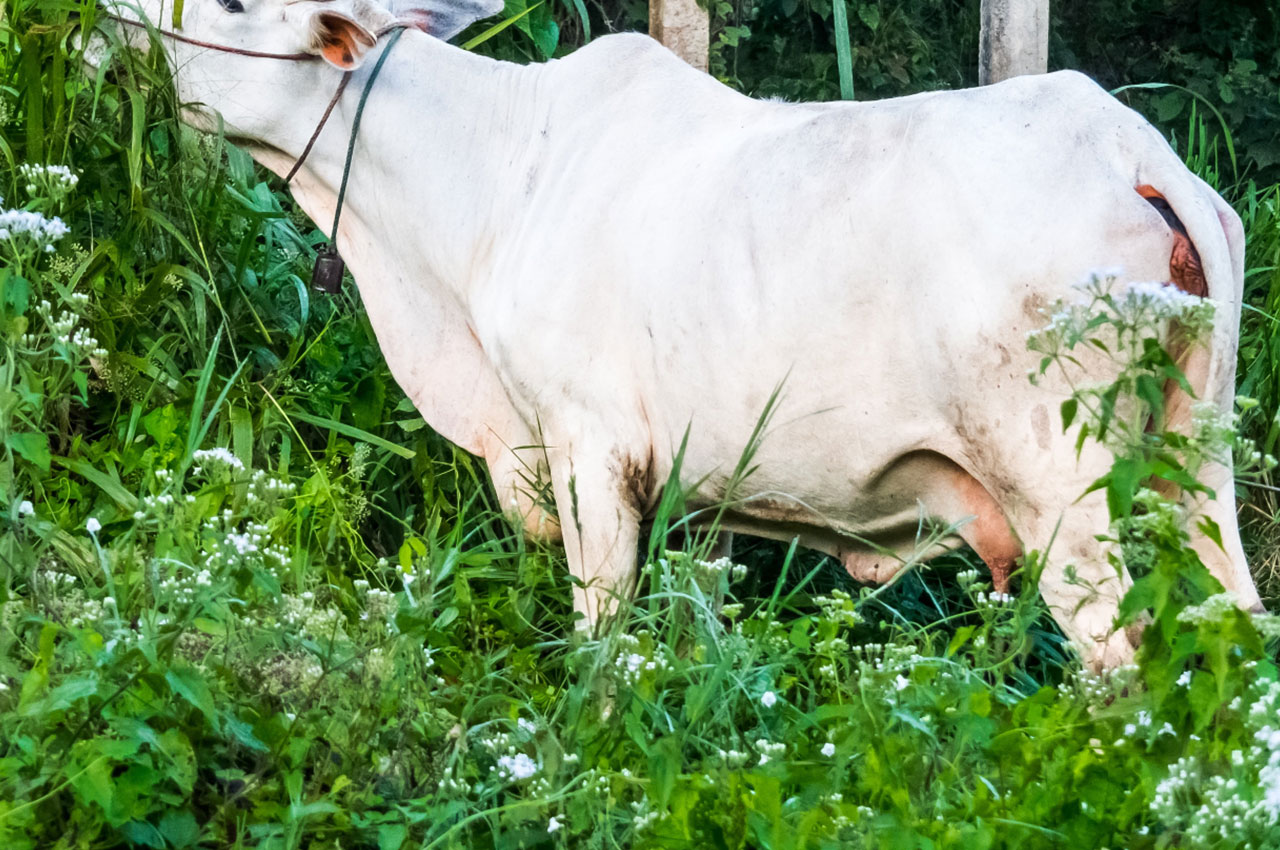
844	49
1222	122
355	433
472	44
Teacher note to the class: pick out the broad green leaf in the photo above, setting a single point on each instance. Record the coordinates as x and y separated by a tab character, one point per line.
33	447
870	15
1211	530
93	783
1068	410
188	683
142	833
242	732
391	836
179	828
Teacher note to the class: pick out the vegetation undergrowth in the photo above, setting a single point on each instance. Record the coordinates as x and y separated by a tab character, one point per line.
248	599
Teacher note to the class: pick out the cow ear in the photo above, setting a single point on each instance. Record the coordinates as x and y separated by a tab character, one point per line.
444	18
340	40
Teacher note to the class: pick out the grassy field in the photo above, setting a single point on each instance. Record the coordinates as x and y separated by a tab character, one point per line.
248	598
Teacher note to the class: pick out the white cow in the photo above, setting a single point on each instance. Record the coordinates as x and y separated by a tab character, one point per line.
594	254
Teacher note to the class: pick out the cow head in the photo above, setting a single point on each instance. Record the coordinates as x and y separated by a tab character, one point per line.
257	98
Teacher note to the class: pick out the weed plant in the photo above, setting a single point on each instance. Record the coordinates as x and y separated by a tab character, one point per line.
247	598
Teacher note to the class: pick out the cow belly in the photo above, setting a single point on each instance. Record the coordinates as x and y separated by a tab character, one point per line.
920	505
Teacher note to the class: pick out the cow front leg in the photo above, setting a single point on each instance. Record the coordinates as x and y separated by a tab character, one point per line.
600	522
1226	563
1079	584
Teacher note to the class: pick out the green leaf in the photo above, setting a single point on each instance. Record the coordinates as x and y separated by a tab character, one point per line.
869	15
210	627
1204	699
1211	530
243	733
1122	482
64	696
959	639
93	783
34	447
141	832
391	836
188	683
664	768
1169	106
179	828
1068	409
298	811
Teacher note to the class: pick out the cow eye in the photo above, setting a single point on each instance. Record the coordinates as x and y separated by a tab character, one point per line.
232	5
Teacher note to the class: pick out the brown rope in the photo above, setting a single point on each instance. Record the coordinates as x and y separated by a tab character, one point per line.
292	57
333	101
239	51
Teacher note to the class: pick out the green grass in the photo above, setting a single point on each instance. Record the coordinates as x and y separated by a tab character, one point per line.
248	598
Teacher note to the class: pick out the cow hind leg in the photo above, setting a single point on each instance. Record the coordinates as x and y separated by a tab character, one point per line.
1078	582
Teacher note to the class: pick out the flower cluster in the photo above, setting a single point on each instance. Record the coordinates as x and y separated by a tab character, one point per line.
718	567
839	609
1236	801
265	490
638	655
1099	689
181	589
380	605
645	816
304	617
769	750
216	461
231	546
48	181
994	599
1212	610
288	672
25	230
73	341
733	758
1135	311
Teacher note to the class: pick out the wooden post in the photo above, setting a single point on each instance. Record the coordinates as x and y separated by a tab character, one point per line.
1014	39
683	27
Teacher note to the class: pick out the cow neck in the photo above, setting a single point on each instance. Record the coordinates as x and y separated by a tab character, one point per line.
443	138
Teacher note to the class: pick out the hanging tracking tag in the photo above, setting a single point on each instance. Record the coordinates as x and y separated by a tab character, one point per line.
326	275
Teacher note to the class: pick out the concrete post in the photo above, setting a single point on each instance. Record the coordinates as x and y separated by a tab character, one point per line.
1014	39
683	27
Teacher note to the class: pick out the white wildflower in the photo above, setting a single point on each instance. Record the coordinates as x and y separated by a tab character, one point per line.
828	749
516	768
1211	610
769	699
93	526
